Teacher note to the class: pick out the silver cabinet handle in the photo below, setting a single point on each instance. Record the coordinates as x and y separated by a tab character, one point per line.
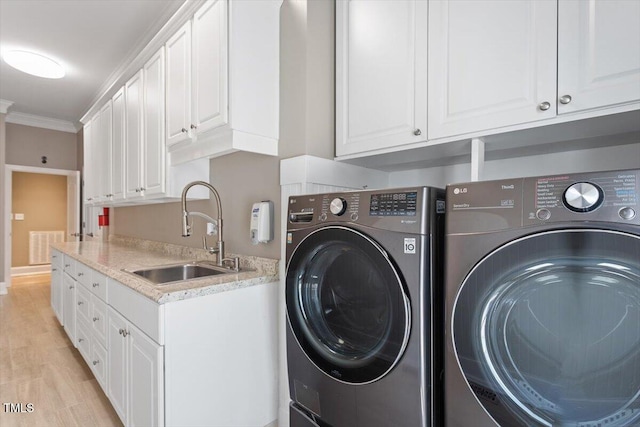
80	274
95	285
54	269
80	302
80	339
565	99
70	287
120	331
544	106
184	130
125	333
95	319
67	265
194	127
142	188
417	132
137	190
95	362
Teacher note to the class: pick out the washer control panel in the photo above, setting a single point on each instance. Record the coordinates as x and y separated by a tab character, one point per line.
596	196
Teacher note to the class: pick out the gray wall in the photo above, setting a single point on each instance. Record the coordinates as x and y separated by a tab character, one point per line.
25	146
307	87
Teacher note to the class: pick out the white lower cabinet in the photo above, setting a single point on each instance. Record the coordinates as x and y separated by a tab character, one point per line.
135	375
198	361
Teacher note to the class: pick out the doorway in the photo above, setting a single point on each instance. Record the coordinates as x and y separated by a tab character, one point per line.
72	203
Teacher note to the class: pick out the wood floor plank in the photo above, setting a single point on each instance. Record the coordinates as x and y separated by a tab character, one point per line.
39	365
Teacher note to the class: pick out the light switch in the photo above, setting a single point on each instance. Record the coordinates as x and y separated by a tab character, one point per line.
19	217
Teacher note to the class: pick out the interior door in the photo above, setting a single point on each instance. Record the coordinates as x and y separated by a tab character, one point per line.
347	305
546	330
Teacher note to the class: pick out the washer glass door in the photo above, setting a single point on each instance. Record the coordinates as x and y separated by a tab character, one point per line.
346	305
547	330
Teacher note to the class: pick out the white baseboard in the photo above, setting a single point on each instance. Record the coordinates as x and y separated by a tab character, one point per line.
30	269
3	288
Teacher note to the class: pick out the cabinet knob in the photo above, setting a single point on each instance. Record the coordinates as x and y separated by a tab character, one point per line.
95	362
194	127
565	99
80	339
125	333
95	319
70	287
95	285
80	274
417	132
54	269
184	130
80	302
137	190
67	265
142	189
544	106
120	331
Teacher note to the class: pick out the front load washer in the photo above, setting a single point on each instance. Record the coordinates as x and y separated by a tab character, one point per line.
543	301
363	283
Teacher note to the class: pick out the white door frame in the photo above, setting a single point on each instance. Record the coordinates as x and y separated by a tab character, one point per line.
73	205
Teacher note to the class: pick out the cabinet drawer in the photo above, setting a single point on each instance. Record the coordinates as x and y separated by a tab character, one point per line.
69	266
99	320
98	363
83	274
83	339
98	285
83	303
139	310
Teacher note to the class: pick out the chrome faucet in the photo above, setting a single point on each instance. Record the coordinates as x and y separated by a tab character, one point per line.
186	227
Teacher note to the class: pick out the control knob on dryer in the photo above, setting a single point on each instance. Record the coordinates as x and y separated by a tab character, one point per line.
338	206
583	197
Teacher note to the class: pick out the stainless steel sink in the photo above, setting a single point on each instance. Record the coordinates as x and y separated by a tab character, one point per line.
165	274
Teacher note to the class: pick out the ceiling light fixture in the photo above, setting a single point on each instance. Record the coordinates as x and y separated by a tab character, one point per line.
34	64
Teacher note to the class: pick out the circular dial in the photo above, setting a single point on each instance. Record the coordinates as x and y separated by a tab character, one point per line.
338	206
583	197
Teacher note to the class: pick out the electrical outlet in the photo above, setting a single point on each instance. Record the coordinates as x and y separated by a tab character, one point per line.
19	217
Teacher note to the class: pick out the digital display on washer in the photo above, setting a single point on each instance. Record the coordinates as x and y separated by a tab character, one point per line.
393	204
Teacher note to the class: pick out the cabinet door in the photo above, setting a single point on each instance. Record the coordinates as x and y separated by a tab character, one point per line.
153	149
56	291
209	74
104	150
598	53
69	307
88	171
179	85
133	140
146	378
491	64
95	164
118	146
117	363
381	74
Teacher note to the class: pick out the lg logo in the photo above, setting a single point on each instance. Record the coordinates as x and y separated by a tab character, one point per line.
459	190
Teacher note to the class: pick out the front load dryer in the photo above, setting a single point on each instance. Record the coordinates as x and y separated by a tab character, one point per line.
363	283
543	301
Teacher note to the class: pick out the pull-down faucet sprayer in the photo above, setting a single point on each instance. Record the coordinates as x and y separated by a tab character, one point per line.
186	227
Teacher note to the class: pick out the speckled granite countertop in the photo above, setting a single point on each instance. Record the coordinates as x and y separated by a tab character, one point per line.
122	253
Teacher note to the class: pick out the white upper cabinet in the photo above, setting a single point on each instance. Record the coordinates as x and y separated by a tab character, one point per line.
497	64
153	147
208	113
491	64
87	172
197	74
178	50
103	162
381	74
118	146
599	54
134	101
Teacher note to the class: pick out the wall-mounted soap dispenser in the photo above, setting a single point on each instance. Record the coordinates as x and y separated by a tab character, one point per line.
261	229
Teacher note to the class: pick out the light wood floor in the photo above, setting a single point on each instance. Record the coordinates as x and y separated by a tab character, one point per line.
39	365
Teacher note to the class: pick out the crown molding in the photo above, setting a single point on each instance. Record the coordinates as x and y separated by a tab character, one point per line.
40	122
5	105
140	55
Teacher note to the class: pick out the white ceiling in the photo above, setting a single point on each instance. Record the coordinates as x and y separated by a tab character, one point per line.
92	39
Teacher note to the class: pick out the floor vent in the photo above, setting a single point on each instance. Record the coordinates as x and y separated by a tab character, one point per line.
39	241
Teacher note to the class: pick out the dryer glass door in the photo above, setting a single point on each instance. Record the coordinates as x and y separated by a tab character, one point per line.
346	305
547	330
